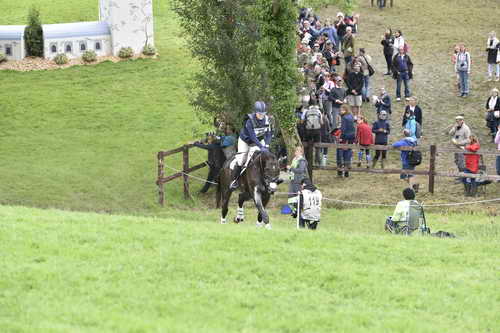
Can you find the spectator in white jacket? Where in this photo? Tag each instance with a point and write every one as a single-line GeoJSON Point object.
{"type": "Point", "coordinates": [399, 41]}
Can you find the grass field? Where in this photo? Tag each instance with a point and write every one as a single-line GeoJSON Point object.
{"type": "Point", "coordinates": [85, 139]}
{"type": "Point", "coordinates": [64, 271]}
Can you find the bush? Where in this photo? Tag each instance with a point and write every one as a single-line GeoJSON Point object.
{"type": "Point", "coordinates": [33, 34]}
{"type": "Point", "coordinates": [61, 59]}
{"type": "Point", "coordinates": [89, 56]}
{"type": "Point", "coordinates": [3, 57]}
{"type": "Point", "coordinates": [126, 52]}
{"type": "Point", "coordinates": [149, 50]}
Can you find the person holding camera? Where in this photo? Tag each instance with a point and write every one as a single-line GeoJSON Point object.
{"type": "Point", "coordinates": [460, 134]}
{"type": "Point", "coordinates": [463, 69]}
{"type": "Point", "coordinates": [471, 165]}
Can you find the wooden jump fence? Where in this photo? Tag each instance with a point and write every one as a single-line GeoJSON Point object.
{"type": "Point", "coordinates": [430, 171]}
{"type": "Point", "coordinates": [425, 169]}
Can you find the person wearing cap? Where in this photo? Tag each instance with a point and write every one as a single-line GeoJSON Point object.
{"type": "Point", "coordinates": [381, 128]}
{"type": "Point", "coordinates": [493, 112]}
{"type": "Point", "coordinates": [407, 141]}
{"type": "Point", "coordinates": [256, 132]}
{"type": "Point", "coordinates": [460, 134]}
{"type": "Point", "coordinates": [331, 55]}
{"type": "Point", "coordinates": [341, 27]}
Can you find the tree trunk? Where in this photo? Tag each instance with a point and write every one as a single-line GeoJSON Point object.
{"type": "Point", "coordinates": [292, 140]}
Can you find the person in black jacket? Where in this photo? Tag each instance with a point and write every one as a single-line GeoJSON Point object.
{"type": "Point", "coordinates": [388, 44]}
{"type": "Point", "coordinates": [402, 72]}
{"type": "Point", "coordinates": [493, 113]}
{"type": "Point", "coordinates": [417, 111]}
{"type": "Point", "coordinates": [216, 159]}
{"type": "Point", "coordinates": [355, 81]}
{"type": "Point", "coordinates": [381, 128]}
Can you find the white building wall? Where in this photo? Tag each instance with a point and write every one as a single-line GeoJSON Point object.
{"type": "Point", "coordinates": [75, 42]}
{"type": "Point", "coordinates": [131, 23]}
{"type": "Point", "coordinates": [16, 46]}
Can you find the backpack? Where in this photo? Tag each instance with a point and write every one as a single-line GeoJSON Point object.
{"type": "Point", "coordinates": [371, 71]}
{"type": "Point", "coordinates": [418, 130]}
{"type": "Point", "coordinates": [313, 119]}
{"type": "Point", "coordinates": [414, 157]}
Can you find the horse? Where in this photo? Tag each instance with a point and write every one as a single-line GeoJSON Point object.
{"type": "Point", "coordinates": [258, 181]}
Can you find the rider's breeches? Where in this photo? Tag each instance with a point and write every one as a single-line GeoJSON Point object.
{"type": "Point", "coordinates": [243, 149]}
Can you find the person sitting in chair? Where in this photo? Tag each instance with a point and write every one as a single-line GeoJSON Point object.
{"type": "Point", "coordinates": [256, 132]}
{"type": "Point", "coordinates": [408, 216]}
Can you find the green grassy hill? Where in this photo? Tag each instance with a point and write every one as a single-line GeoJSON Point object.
{"type": "Point", "coordinates": [85, 138]}
{"type": "Point", "coordinates": [65, 271]}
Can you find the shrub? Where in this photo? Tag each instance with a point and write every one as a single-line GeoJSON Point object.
{"type": "Point", "coordinates": [89, 56]}
{"type": "Point", "coordinates": [3, 57]}
{"type": "Point", "coordinates": [33, 34]}
{"type": "Point", "coordinates": [126, 52]}
{"type": "Point", "coordinates": [149, 50]}
{"type": "Point", "coordinates": [61, 59]}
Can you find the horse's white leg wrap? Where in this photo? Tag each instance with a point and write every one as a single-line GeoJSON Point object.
{"type": "Point", "coordinates": [268, 226]}
{"type": "Point", "coordinates": [222, 220]}
{"type": "Point", "coordinates": [259, 224]}
{"type": "Point", "coordinates": [240, 215]}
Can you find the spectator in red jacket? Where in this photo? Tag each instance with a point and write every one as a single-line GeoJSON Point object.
{"type": "Point", "coordinates": [471, 166]}
{"type": "Point", "coordinates": [364, 138]}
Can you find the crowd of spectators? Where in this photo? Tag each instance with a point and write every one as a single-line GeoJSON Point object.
{"type": "Point", "coordinates": [336, 74]}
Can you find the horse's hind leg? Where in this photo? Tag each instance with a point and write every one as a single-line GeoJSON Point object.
{"type": "Point", "coordinates": [240, 216]}
{"type": "Point", "coordinates": [226, 195]}
{"type": "Point", "coordinates": [265, 200]}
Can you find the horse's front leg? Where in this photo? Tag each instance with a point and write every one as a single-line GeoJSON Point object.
{"type": "Point", "coordinates": [240, 215]}
{"type": "Point", "coordinates": [259, 198]}
{"type": "Point", "coordinates": [226, 195]}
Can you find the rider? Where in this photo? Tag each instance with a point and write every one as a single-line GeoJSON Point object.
{"type": "Point", "coordinates": [256, 132]}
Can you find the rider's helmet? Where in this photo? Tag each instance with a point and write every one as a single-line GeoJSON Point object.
{"type": "Point", "coordinates": [260, 107]}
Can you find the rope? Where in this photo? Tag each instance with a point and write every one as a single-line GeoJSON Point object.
{"type": "Point", "coordinates": [351, 202]}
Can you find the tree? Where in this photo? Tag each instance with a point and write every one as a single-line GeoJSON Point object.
{"type": "Point", "coordinates": [246, 51]}
{"type": "Point", "coordinates": [33, 34]}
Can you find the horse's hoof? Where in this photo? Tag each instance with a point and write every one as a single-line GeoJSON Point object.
{"type": "Point", "coordinates": [259, 224]}
{"type": "Point", "coordinates": [268, 226]}
{"type": "Point", "coordinates": [222, 221]}
{"type": "Point", "coordinates": [238, 220]}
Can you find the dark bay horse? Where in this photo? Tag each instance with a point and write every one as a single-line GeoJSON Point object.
{"type": "Point", "coordinates": [258, 182]}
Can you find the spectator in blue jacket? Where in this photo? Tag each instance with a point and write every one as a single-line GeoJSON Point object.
{"type": "Point", "coordinates": [411, 124]}
{"type": "Point", "coordinates": [347, 136]}
{"type": "Point", "coordinates": [381, 128]}
{"type": "Point", "coordinates": [407, 141]}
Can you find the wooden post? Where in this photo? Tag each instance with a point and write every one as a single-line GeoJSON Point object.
{"type": "Point", "coordinates": [432, 168]}
{"type": "Point", "coordinates": [372, 3]}
{"type": "Point", "coordinates": [392, 3]}
{"type": "Point", "coordinates": [310, 158]}
{"type": "Point", "coordinates": [185, 167]}
{"type": "Point", "coordinates": [161, 175]}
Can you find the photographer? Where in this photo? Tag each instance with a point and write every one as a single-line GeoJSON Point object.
{"type": "Point", "coordinates": [216, 158]}
{"type": "Point", "coordinates": [460, 134]}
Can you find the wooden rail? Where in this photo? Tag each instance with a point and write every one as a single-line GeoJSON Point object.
{"type": "Point", "coordinates": [186, 170]}
{"type": "Point", "coordinates": [430, 171]}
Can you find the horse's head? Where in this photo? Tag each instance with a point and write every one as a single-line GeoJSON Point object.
{"type": "Point", "coordinates": [270, 171]}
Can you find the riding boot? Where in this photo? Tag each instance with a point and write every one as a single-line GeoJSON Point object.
{"type": "Point", "coordinates": [235, 174]}
{"type": "Point", "coordinates": [382, 163]}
